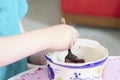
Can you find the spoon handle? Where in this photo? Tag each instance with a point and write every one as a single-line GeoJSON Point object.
{"type": "Point", "coordinates": [69, 51]}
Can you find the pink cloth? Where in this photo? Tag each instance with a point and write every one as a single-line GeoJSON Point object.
{"type": "Point", "coordinates": [112, 69]}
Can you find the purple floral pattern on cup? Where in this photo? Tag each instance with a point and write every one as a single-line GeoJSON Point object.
{"type": "Point", "coordinates": [77, 76]}
{"type": "Point", "coordinates": [51, 73]}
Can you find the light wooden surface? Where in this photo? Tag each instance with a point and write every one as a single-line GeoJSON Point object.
{"type": "Point", "coordinates": [95, 21]}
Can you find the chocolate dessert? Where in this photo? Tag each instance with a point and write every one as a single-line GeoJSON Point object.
{"type": "Point", "coordinates": [71, 58]}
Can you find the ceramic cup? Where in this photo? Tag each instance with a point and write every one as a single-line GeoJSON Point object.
{"type": "Point", "coordinates": [91, 51]}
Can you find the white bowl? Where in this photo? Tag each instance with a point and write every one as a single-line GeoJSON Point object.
{"type": "Point", "coordinates": [91, 51]}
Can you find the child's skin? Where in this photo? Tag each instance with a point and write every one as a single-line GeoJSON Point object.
{"type": "Point", "coordinates": [58, 37]}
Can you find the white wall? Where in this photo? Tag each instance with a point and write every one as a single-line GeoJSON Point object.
{"type": "Point", "coordinates": [42, 13]}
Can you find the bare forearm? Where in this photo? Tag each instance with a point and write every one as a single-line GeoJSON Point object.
{"type": "Point", "coordinates": [20, 46]}
{"type": "Point", "coordinates": [58, 37]}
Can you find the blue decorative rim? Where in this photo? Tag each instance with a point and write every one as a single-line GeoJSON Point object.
{"type": "Point", "coordinates": [89, 65]}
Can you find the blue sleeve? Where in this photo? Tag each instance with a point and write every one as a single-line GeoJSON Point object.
{"type": "Point", "coordinates": [23, 8]}
{"type": "Point", "coordinates": [11, 12]}
{"type": "Point", "coordinates": [8, 12]}
{"type": "Point", "coordinates": [5, 14]}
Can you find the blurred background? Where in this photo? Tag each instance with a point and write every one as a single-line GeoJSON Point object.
{"type": "Point", "coordinates": [45, 13]}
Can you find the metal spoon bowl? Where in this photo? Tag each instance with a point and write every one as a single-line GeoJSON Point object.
{"type": "Point", "coordinates": [71, 58]}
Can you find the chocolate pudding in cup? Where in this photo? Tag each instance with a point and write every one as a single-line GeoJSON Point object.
{"type": "Point", "coordinates": [93, 53]}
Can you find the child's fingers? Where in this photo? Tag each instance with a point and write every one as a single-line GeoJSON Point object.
{"type": "Point", "coordinates": [63, 21]}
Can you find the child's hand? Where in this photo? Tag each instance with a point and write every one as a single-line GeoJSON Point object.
{"type": "Point", "coordinates": [61, 37]}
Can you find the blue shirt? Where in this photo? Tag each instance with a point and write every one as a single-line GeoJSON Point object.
{"type": "Point", "coordinates": [11, 12]}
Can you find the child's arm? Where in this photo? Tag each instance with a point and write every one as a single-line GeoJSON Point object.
{"type": "Point", "coordinates": [59, 37]}
{"type": "Point", "coordinates": [37, 58]}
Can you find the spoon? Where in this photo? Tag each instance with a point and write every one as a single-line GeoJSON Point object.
{"type": "Point", "coordinates": [71, 58]}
